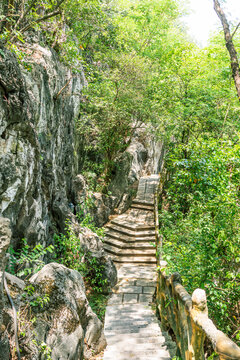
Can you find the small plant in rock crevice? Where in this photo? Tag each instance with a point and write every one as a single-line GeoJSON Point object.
{"type": "Point", "coordinates": [26, 261]}
{"type": "Point", "coordinates": [88, 222]}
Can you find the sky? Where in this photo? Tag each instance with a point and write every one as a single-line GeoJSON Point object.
{"type": "Point", "coordinates": [203, 20]}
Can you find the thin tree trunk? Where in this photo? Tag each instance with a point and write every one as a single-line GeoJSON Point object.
{"type": "Point", "coordinates": [230, 46]}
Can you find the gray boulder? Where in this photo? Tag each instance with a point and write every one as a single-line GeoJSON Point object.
{"type": "Point", "coordinates": [67, 323]}
{"type": "Point", "coordinates": [144, 156]}
{"type": "Point", "coordinates": [92, 246]}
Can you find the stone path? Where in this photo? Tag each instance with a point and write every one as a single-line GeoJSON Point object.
{"type": "Point", "coordinates": [130, 236]}
{"type": "Point", "coordinates": [131, 327]}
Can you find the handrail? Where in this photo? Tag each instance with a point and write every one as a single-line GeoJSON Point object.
{"type": "Point", "coordinates": [158, 238]}
{"type": "Point", "coordinates": [186, 315]}
{"type": "Point", "coordinates": [188, 318]}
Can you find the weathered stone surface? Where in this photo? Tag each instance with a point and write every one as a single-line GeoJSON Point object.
{"type": "Point", "coordinates": [149, 290]}
{"type": "Point", "coordinates": [131, 327]}
{"type": "Point", "coordinates": [38, 160]}
{"type": "Point", "coordinates": [144, 156]}
{"type": "Point", "coordinates": [93, 247]}
{"type": "Point", "coordinates": [15, 281]}
{"type": "Point", "coordinates": [130, 298]}
{"type": "Point", "coordinates": [67, 323]}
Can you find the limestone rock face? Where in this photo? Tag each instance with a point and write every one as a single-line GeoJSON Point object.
{"type": "Point", "coordinates": [144, 156]}
{"type": "Point", "coordinates": [93, 247]}
{"type": "Point", "coordinates": [67, 323]}
{"type": "Point", "coordinates": [37, 142]}
{"type": "Point", "coordinates": [102, 208]}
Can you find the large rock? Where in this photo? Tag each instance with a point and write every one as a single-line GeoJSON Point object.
{"type": "Point", "coordinates": [38, 157]}
{"type": "Point", "coordinates": [67, 323]}
{"type": "Point", "coordinates": [92, 246]}
{"type": "Point", "coordinates": [101, 205]}
{"type": "Point", "coordinates": [144, 156]}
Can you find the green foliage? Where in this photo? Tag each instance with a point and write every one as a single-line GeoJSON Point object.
{"type": "Point", "coordinates": [98, 303]}
{"type": "Point", "coordinates": [142, 69]}
{"type": "Point", "coordinates": [71, 254]}
{"type": "Point", "coordinates": [85, 218]}
{"type": "Point", "coordinates": [35, 300]}
{"type": "Point", "coordinates": [200, 224]}
{"type": "Point", "coordinates": [117, 100]}
{"type": "Point", "coordinates": [87, 221]}
{"type": "Point", "coordinates": [69, 250]}
{"type": "Point", "coordinates": [26, 261]}
{"type": "Point", "coordinates": [45, 351]}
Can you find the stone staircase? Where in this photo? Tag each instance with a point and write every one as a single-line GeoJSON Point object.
{"type": "Point", "coordinates": [131, 328]}
{"type": "Point", "coordinates": [130, 237]}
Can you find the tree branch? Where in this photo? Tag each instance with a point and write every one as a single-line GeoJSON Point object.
{"type": "Point", "coordinates": [229, 45]}
{"type": "Point", "coordinates": [24, 14]}
{"type": "Point", "coordinates": [62, 89]}
{"type": "Point", "coordinates": [48, 16]}
{"type": "Point", "coordinates": [235, 29]}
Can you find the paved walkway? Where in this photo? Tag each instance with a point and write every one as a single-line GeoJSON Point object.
{"type": "Point", "coordinates": [131, 327]}
{"type": "Point", "coordinates": [130, 236]}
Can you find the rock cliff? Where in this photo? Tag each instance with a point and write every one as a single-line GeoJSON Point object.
{"type": "Point", "coordinates": [38, 157]}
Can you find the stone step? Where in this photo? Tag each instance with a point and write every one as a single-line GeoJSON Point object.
{"type": "Point", "coordinates": [144, 203]}
{"type": "Point", "coordinates": [142, 207]}
{"type": "Point", "coordinates": [122, 357]}
{"type": "Point", "coordinates": [129, 252]}
{"type": "Point", "coordinates": [129, 346]}
{"type": "Point", "coordinates": [126, 310]}
{"type": "Point", "coordinates": [125, 231]}
{"type": "Point", "coordinates": [134, 259]}
{"type": "Point", "coordinates": [135, 339]}
{"type": "Point", "coordinates": [128, 239]}
{"type": "Point", "coordinates": [137, 272]}
{"type": "Point", "coordinates": [132, 226]}
{"type": "Point", "coordinates": [124, 325]}
{"type": "Point", "coordinates": [118, 243]}
{"type": "Point", "coordinates": [135, 354]}
{"type": "Point", "coordinates": [141, 332]}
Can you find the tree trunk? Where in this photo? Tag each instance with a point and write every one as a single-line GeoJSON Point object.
{"type": "Point", "coordinates": [230, 46]}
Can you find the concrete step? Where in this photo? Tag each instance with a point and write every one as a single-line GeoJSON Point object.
{"type": "Point", "coordinates": [130, 345]}
{"type": "Point", "coordinates": [135, 339]}
{"type": "Point", "coordinates": [125, 231]}
{"type": "Point", "coordinates": [128, 310]}
{"type": "Point", "coordinates": [118, 243]}
{"type": "Point", "coordinates": [138, 251]}
{"type": "Point", "coordinates": [144, 203]}
{"type": "Point", "coordinates": [142, 207]}
{"type": "Point", "coordinates": [127, 238]}
{"type": "Point", "coordinates": [134, 259]}
{"type": "Point", "coordinates": [132, 226]}
{"type": "Point", "coordinates": [135, 354]}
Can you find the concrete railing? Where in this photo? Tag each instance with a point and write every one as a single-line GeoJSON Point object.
{"type": "Point", "coordinates": [187, 316]}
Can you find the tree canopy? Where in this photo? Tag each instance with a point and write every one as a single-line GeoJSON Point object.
{"type": "Point", "coordinates": [142, 68]}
